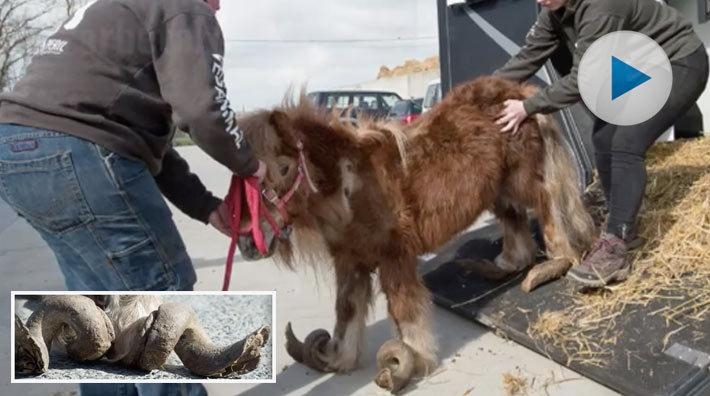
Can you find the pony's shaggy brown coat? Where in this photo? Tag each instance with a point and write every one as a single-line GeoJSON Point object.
{"type": "Point", "coordinates": [388, 193]}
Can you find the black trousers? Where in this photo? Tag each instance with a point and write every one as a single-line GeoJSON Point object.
{"type": "Point", "coordinates": [620, 151]}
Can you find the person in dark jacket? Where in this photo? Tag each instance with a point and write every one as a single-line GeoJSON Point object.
{"type": "Point", "coordinates": [619, 150]}
{"type": "Point", "coordinates": [85, 140]}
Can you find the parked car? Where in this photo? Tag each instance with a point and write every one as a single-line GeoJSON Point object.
{"type": "Point", "coordinates": [432, 95]}
{"type": "Point", "coordinates": [406, 111]}
{"type": "Point", "coordinates": [376, 104]}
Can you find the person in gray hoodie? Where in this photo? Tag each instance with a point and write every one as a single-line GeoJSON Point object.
{"type": "Point", "coordinates": [86, 155]}
{"type": "Point", "coordinates": [85, 140]}
{"type": "Point", "coordinates": [619, 150]}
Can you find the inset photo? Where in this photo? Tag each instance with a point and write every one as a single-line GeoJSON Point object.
{"type": "Point", "coordinates": [143, 337]}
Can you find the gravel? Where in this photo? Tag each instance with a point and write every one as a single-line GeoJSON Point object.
{"type": "Point", "coordinates": [225, 318]}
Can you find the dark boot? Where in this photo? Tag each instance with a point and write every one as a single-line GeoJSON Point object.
{"type": "Point", "coordinates": [605, 263]}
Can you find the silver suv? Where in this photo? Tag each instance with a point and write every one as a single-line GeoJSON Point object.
{"type": "Point", "coordinates": [432, 95]}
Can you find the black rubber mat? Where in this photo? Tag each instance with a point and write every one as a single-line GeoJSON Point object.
{"type": "Point", "coordinates": [637, 364]}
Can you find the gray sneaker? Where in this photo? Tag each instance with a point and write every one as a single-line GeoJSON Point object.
{"type": "Point", "coordinates": [605, 263]}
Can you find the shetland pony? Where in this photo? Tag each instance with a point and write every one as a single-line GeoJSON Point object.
{"type": "Point", "coordinates": [379, 194]}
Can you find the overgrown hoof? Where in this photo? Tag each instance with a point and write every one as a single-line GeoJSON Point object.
{"type": "Point", "coordinates": [72, 320]}
{"type": "Point", "coordinates": [545, 272]}
{"type": "Point", "coordinates": [395, 359]}
{"type": "Point", "coordinates": [250, 358]}
{"type": "Point", "coordinates": [30, 357]}
{"type": "Point", "coordinates": [309, 351]}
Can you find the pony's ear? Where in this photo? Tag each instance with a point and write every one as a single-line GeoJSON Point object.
{"type": "Point", "coordinates": [284, 127]}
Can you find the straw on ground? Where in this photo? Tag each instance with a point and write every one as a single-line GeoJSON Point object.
{"type": "Point", "coordinates": [671, 269]}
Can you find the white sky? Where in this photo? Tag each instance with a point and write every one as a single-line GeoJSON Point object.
{"type": "Point", "coordinates": [258, 73]}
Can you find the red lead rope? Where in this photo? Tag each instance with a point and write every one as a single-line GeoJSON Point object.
{"type": "Point", "coordinates": [256, 210]}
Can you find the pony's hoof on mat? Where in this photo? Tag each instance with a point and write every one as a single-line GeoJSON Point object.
{"type": "Point", "coordinates": [486, 269]}
{"type": "Point", "coordinates": [395, 359]}
{"type": "Point", "coordinates": [311, 350]}
{"type": "Point", "coordinates": [544, 272]}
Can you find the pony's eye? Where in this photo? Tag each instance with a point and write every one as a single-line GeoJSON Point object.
{"type": "Point", "coordinates": [284, 170]}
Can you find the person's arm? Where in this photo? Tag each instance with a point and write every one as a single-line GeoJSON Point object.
{"type": "Point", "coordinates": [565, 91]}
{"type": "Point", "coordinates": [540, 43]}
{"type": "Point", "coordinates": [188, 52]}
{"type": "Point", "coordinates": [184, 189]}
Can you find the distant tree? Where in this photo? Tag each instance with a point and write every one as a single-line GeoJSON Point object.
{"type": "Point", "coordinates": [24, 25]}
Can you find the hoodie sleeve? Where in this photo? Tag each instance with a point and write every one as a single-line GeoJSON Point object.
{"type": "Point", "coordinates": [184, 189]}
{"type": "Point", "coordinates": [565, 91]}
{"type": "Point", "coordinates": [188, 56]}
{"type": "Point", "coordinates": [540, 43]}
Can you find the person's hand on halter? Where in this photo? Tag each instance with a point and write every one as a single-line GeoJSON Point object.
{"type": "Point", "coordinates": [512, 115]}
{"type": "Point", "coordinates": [219, 218]}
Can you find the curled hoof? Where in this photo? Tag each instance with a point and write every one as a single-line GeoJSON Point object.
{"type": "Point", "coordinates": [395, 359]}
{"type": "Point", "coordinates": [309, 351]}
{"type": "Point", "coordinates": [30, 357]}
{"type": "Point", "coordinates": [261, 336]}
{"type": "Point", "coordinates": [251, 356]}
{"type": "Point", "coordinates": [175, 327]}
{"type": "Point", "coordinates": [72, 320]}
{"type": "Point", "coordinates": [545, 272]}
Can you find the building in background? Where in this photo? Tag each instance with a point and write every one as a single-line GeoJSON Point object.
{"type": "Point", "coordinates": [408, 80]}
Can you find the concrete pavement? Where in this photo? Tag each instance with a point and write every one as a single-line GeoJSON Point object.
{"type": "Point", "coordinates": [473, 358]}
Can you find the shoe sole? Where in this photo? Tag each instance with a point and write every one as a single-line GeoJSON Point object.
{"type": "Point", "coordinates": [619, 275]}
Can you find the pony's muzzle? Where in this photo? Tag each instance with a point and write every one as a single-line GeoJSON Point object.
{"type": "Point", "coordinates": [247, 245]}
{"type": "Point", "coordinates": [249, 250]}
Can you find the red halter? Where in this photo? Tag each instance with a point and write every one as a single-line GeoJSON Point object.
{"type": "Point", "coordinates": [257, 210]}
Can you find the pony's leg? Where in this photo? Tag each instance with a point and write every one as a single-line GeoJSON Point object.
{"type": "Point", "coordinates": [519, 248]}
{"type": "Point", "coordinates": [354, 296]}
{"type": "Point", "coordinates": [409, 306]}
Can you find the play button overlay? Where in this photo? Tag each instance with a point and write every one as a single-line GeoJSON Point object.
{"type": "Point", "coordinates": [624, 78]}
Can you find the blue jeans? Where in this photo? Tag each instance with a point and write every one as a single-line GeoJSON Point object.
{"type": "Point", "coordinates": [190, 389]}
{"type": "Point", "coordinates": [102, 215]}
{"type": "Point", "coordinates": [104, 218]}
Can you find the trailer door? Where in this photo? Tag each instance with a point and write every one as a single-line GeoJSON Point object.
{"type": "Point", "coordinates": [478, 36]}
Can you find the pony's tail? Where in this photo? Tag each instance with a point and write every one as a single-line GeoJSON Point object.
{"type": "Point", "coordinates": [574, 227]}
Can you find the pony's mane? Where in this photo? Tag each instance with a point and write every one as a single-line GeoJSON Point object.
{"type": "Point", "coordinates": [369, 133]}
{"type": "Point", "coordinates": [377, 133]}
{"type": "Point", "coordinates": [301, 107]}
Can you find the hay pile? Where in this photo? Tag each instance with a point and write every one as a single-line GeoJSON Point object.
{"type": "Point", "coordinates": [410, 66]}
{"type": "Point", "coordinates": [671, 271]}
